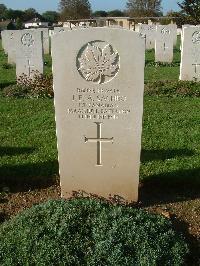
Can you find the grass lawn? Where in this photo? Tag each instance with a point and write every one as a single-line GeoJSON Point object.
{"type": "Point", "coordinates": [170, 143]}
{"type": "Point", "coordinates": [7, 76]}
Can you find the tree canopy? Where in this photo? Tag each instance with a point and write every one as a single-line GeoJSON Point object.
{"type": "Point", "coordinates": [192, 9]}
{"type": "Point", "coordinates": [51, 16]}
{"type": "Point", "coordinates": [75, 9]}
{"type": "Point", "coordinates": [140, 8]}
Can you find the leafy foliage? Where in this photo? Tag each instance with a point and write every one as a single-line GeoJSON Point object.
{"type": "Point", "coordinates": [173, 88]}
{"type": "Point", "coordinates": [51, 16]}
{"type": "Point", "coordinates": [39, 86]}
{"type": "Point", "coordinates": [140, 8]}
{"type": "Point", "coordinates": [192, 9]}
{"type": "Point", "coordinates": [89, 232]}
{"type": "Point", "coordinates": [75, 9]}
{"type": "Point", "coordinates": [7, 66]}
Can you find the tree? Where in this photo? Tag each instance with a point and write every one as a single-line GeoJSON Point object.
{"type": "Point", "coordinates": [3, 9]}
{"type": "Point", "coordinates": [140, 8]}
{"type": "Point", "coordinates": [13, 14]}
{"type": "Point", "coordinates": [19, 24]}
{"type": "Point", "coordinates": [100, 13]}
{"type": "Point", "coordinates": [75, 9]}
{"type": "Point", "coordinates": [51, 16]}
{"type": "Point", "coordinates": [115, 13]}
{"type": "Point", "coordinates": [192, 9]}
{"type": "Point", "coordinates": [31, 13]}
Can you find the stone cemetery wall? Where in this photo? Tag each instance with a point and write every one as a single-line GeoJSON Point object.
{"type": "Point", "coordinates": [29, 52]}
{"type": "Point", "coordinates": [190, 54]}
{"type": "Point", "coordinates": [98, 86]}
{"type": "Point", "coordinates": [164, 44]}
{"type": "Point", "coordinates": [149, 31]}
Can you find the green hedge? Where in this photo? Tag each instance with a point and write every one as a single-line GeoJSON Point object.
{"type": "Point", "coordinates": [173, 88]}
{"type": "Point", "coordinates": [42, 87]}
{"type": "Point", "coordinates": [89, 232]}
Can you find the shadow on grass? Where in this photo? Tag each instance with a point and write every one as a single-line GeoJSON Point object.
{"type": "Point", "coordinates": [6, 84]}
{"type": "Point", "coordinates": [24, 177]}
{"type": "Point", "coordinates": [12, 151]}
{"type": "Point", "coordinates": [170, 187]}
{"type": "Point", "coordinates": [182, 227]}
{"type": "Point", "coordinates": [154, 155]}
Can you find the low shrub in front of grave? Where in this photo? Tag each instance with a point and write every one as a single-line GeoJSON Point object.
{"type": "Point", "coordinates": [89, 232]}
{"type": "Point", "coordinates": [149, 63]}
{"type": "Point", "coordinates": [173, 88]}
{"type": "Point", "coordinates": [7, 66]}
{"type": "Point", "coordinates": [39, 86]}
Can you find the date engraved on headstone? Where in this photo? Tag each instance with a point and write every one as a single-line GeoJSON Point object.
{"type": "Point", "coordinates": [98, 62]}
{"type": "Point", "coordinates": [165, 31]}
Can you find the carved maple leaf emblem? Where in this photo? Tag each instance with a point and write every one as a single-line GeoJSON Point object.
{"type": "Point", "coordinates": [96, 64]}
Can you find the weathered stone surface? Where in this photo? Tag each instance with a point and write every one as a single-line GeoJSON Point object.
{"type": "Point", "coordinates": [149, 31]}
{"type": "Point", "coordinates": [98, 85]}
{"type": "Point", "coordinates": [164, 44]}
{"type": "Point", "coordinates": [46, 41]}
{"type": "Point", "coordinates": [8, 43]}
{"type": "Point", "coordinates": [29, 52]}
{"type": "Point", "coordinates": [190, 54]}
{"type": "Point", "coordinates": [60, 29]}
{"type": "Point", "coordinates": [174, 31]}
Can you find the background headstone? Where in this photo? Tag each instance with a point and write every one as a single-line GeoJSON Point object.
{"type": "Point", "coordinates": [12, 46]}
{"type": "Point", "coordinates": [98, 86]}
{"type": "Point", "coordinates": [60, 29]}
{"type": "Point", "coordinates": [164, 44]}
{"type": "Point", "coordinates": [174, 31]}
{"type": "Point", "coordinates": [46, 40]}
{"type": "Point", "coordinates": [29, 52]}
{"type": "Point", "coordinates": [149, 31]}
{"type": "Point", "coordinates": [190, 54]}
{"type": "Point", "coordinates": [8, 44]}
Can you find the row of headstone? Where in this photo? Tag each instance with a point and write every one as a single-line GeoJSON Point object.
{"type": "Point", "coordinates": [160, 37]}
{"type": "Point", "coordinates": [25, 48]}
{"type": "Point", "coordinates": [98, 89]}
{"type": "Point", "coordinates": [18, 44]}
{"type": "Point", "coordinates": [190, 53]}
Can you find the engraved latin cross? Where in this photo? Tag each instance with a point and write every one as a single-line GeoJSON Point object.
{"type": "Point", "coordinates": [30, 67]}
{"type": "Point", "coordinates": [196, 68]}
{"type": "Point", "coordinates": [99, 140]}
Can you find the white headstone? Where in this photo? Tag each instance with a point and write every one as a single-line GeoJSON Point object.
{"type": "Point", "coordinates": [8, 42]}
{"type": "Point", "coordinates": [60, 29]}
{"type": "Point", "coordinates": [164, 44]}
{"type": "Point", "coordinates": [149, 31]}
{"type": "Point", "coordinates": [98, 86]}
{"type": "Point", "coordinates": [29, 52]}
{"type": "Point", "coordinates": [12, 47]}
{"type": "Point", "coordinates": [46, 42]}
{"type": "Point", "coordinates": [190, 54]}
{"type": "Point", "coordinates": [174, 30]}
{"type": "Point", "coordinates": [3, 39]}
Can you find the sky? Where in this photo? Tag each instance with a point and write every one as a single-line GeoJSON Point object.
{"type": "Point", "coordinates": [44, 5]}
